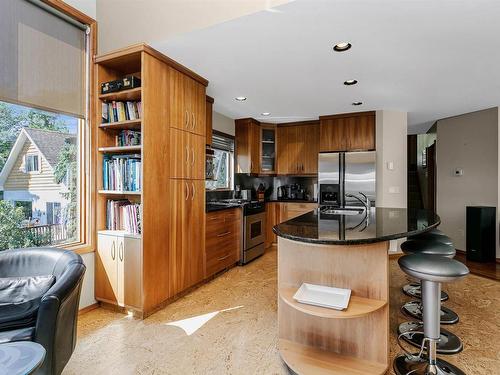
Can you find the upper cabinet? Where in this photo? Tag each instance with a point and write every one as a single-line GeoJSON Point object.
{"type": "Point", "coordinates": [347, 132]}
{"type": "Point", "coordinates": [298, 147]}
{"type": "Point", "coordinates": [247, 136]}
{"type": "Point", "coordinates": [268, 149]}
{"type": "Point", "coordinates": [187, 103]}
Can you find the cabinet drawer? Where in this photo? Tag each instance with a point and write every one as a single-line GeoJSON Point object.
{"type": "Point", "coordinates": [301, 206]}
{"type": "Point", "coordinates": [221, 221]}
{"type": "Point", "coordinates": [221, 260]}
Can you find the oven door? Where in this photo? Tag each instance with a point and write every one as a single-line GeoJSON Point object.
{"type": "Point", "coordinates": [255, 230]}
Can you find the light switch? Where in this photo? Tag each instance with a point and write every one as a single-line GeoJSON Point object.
{"type": "Point", "coordinates": [390, 165]}
{"type": "Point", "coordinates": [458, 172]}
{"type": "Point", "coordinates": [394, 189]}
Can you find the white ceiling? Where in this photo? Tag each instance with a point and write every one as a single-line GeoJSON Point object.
{"type": "Point", "coordinates": [433, 59]}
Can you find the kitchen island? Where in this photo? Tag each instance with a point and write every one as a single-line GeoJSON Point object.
{"type": "Point", "coordinates": [346, 249]}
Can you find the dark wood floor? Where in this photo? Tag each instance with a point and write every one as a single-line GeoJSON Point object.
{"type": "Point", "coordinates": [489, 270]}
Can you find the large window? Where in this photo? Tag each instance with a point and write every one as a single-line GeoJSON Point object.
{"type": "Point", "coordinates": [223, 162]}
{"type": "Point", "coordinates": [44, 132]}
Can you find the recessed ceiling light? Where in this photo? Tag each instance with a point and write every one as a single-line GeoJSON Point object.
{"type": "Point", "coordinates": [350, 82]}
{"type": "Point", "coordinates": [240, 98]}
{"type": "Point", "coordinates": [357, 103]}
{"type": "Point", "coordinates": [342, 46]}
{"type": "Point", "coordinates": [265, 113]}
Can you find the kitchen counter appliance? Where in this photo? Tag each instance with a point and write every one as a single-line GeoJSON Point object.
{"type": "Point", "coordinates": [347, 179]}
{"type": "Point", "coordinates": [254, 231]}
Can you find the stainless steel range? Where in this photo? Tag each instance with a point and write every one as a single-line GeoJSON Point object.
{"type": "Point", "coordinates": [254, 231]}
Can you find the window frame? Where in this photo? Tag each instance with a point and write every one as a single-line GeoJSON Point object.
{"type": "Point", "coordinates": [231, 160]}
{"type": "Point", "coordinates": [38, 163]}
{"type": "Point", "coordinates": [86, 138]}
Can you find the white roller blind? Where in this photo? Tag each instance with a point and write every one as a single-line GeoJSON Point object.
{"type": "Point", "coordinates": [42, 59]}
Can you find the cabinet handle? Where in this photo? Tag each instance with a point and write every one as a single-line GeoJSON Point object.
{"type": "Point", "coordinates": [113, 251]}
{"type": "Point", "coordinates": [120, 251]}
{"type": "Point", "coordinates": [225, 257]}
{"type": "Point", "coordinates": [192, 197]}
{"type": "Point", "coordinates": [193, 125]}
{"type": "Point", "coordinates": [223, 234]}
{"type": "Point", "coordinates": [187, 190]}
{"type": "Point", "coordinates": [187, 155]}
{"type": "Point", "coordinates": [251, 165]}
{"type": "Point", "coordinates": [192, 155]}
{"type": "Point", "coordinates": [186, 123]}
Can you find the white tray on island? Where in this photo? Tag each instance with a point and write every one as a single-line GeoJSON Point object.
{"type": "Point", "coordinates": [323, 296]}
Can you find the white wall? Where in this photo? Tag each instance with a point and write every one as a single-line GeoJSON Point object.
{"type": "Point", "coordinates": [222, 123]}
{"type": "Point", "coordinates": [87, 296]}
{"type": "Point", "coordinates": [469, 142]}
{"type": "Point", "coordinates": [125, 22]}
{"type": "Point", "coordinates": [85, 6]}
{"type": "Point", "coordinates": [391, 145]}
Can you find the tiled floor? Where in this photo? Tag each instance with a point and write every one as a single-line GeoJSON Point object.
{"type": "Point", "coordinates": [234, 329]}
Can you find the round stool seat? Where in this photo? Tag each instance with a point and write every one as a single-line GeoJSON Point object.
{"type": "Point", "coordinates": [428, 247]}
{"type": "Point", "coordinates": [433, 235]}
{"type": "Point", "coordinates": [432, 268]}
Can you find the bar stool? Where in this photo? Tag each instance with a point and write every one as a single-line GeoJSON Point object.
{"type": "Point", "coordinates": [432, 271]}
{"type": "Point", "coordinates": [425, 247]}
{"type": "Point", "coordinates": [433, 235]}
{"type": "Point", "coordinates": [449, 343]}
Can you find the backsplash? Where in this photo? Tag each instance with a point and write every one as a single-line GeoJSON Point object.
{"type": "Point", "coordinates": [270, 183]}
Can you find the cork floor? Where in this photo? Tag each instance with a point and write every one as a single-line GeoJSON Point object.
{"type": "Point", "coordinates": [229, 326]}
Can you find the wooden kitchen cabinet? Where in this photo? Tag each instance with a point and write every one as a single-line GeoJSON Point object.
{"type": "Point", "coordinates": [272, 217]}
{"type": "Point", "coordinates": [222, 240]}
{"type": "Point", "coordinates": [119, 269]}
{"type": "Point", "coordinates": [247, 137]}
{"type": "Point", "coordinates": [187, 103]}
{"type": "Point", "coordinates": [298, 147]}
{"type": "Point", "coordinates": [187, 155]}
{"type": "Point", "coordinates": [289, 210]}
{"type": "Point", "coordinates": [347, 132]}
{"type": "Point", "coordinates": [208, 119]}
{"type": "Point", "coordinates": [187, 232]}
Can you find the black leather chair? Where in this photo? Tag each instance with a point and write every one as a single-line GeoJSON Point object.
{"type": "Point", "coordinates": [55, 313]}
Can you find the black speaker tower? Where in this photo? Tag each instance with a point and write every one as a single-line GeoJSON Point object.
{"type": "Point", "coordinates": [481, 236]}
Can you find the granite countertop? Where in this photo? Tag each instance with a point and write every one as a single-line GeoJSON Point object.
{"type": "Point", "coordinates": [210, 207]}
{"type": "Point", "coordinates": [292, 200]}
{"type": "Point", "coordinates": [382, 224]}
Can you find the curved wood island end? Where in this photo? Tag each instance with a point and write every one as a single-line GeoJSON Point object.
{"type": "Point", "coordinates": [317, 340]}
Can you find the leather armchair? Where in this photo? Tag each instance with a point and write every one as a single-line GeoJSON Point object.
{"type": "Point", "coordinates": [56, 319]}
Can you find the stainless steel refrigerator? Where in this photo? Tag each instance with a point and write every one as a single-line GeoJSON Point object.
{"type": "Point", "coordinates": [346, 177]}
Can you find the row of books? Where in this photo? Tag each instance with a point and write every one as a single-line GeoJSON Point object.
{"type": "Point", "coordinates": [122, 172]}
{"type": "Point", "coordinates": [123, 215]}
{"type": "Point", "coordinates": [120, 111]}
{"type": "Point", "coordinates": [128, 138]}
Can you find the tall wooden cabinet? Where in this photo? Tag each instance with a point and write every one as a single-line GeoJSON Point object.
{"type": "Point", "coordinates": [156, 264]}
{"type": "Point", "coordinates": [347, 132]}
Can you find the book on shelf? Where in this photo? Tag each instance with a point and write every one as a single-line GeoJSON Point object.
{"type": "Point", "coordinates": [128, 138]}
{"type": "Point", "coordinates": [115, 111]}
{"type": "Point", "coordinates": [123, 215]}
{"type": "Point", "coordinates": [122, 172]}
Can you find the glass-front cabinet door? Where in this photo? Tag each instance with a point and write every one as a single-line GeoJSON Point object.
{"type": "Point", "coordinates": [268, 149]}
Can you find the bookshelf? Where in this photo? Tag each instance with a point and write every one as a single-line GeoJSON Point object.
{"type": "Point", "coordinates": [122, 125]}
{"type": "Point", "coordinates": [142, 272]}
{"type": "Point", "coordinates": [119, 149]}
